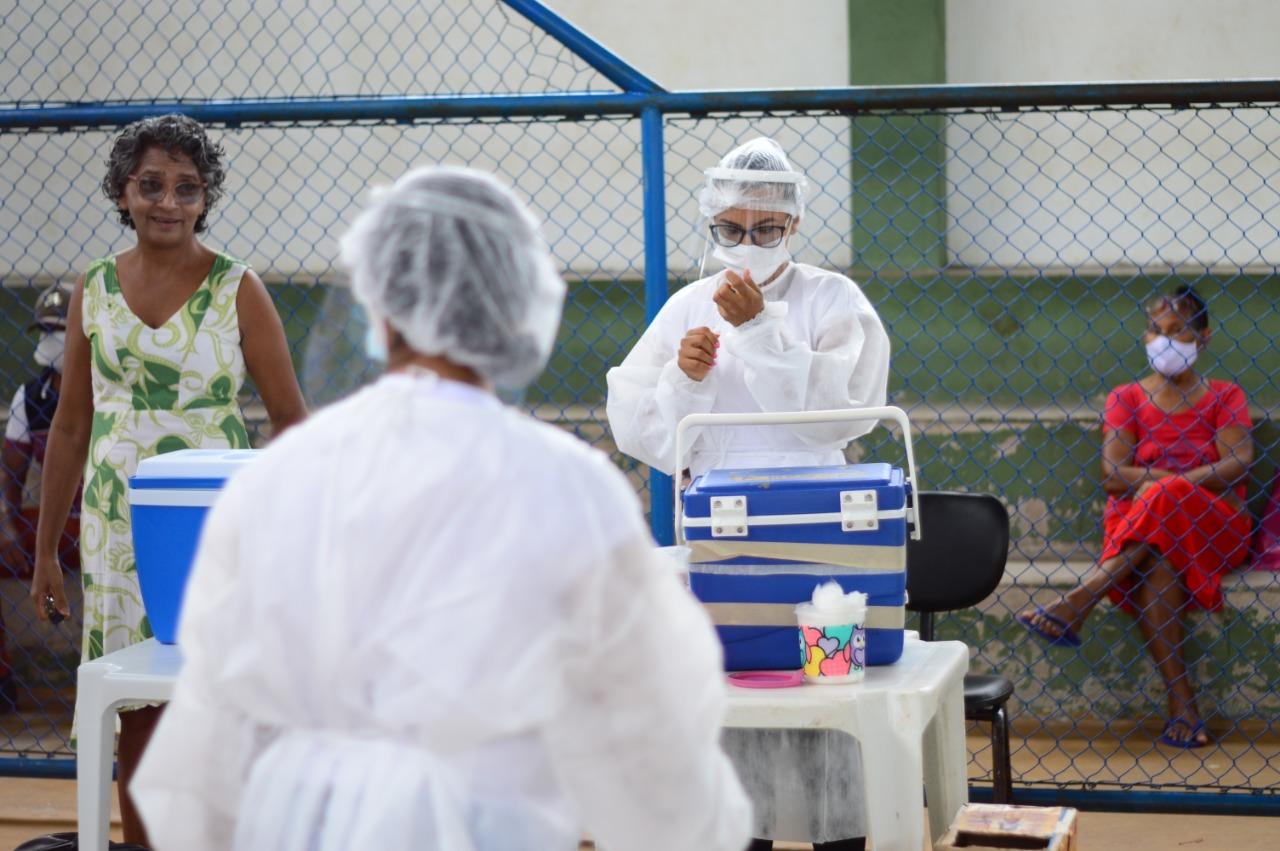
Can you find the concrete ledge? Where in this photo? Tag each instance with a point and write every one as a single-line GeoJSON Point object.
{"type": "Point", "coordinates": [1056, 573]}
{"type": "Point", "coordinates": [1110, 680]}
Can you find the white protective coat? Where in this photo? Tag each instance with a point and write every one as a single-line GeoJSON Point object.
{"type": "Point", "coordinates": [817, 345]}
{"type": "Point", "coordinates": [421, 620]}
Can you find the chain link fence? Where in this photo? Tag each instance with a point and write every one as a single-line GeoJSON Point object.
{"type": "Point", "coordinates": [1010, 253]}
{"type": "Point", "coordinates": [1011, 256]}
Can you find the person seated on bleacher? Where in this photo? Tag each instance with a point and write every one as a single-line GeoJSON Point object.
{"type": "Point", "coordinates": [1176, 453]}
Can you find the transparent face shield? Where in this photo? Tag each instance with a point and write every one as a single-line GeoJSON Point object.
{"type": "Point", "coordinates": [336, 361]}
{"type": "Point", "coordinates": [346, 351]}
{"type": "Point", "coordinates": [747, 219]}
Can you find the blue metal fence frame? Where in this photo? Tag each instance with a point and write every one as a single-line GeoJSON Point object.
{"type": "Point", "coordinates": [850, 100]}
{"type": "Point", "coordinates": [643, 98]}
{"type": "Point", "coordinates": [650, 103]}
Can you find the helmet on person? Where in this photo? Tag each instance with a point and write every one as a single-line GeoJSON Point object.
{"type": "Point", "coordinates": [50, 312]}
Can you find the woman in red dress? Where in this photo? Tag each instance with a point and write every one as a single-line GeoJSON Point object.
{"type": "Point", "coordinates": [1176, 451]}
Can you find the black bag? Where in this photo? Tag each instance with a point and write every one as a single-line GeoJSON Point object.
{"type": "Point", "coordinates": [69, 842]}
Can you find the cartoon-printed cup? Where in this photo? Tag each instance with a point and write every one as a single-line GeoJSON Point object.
{"type": "Point", "coordinates": [832, 637]}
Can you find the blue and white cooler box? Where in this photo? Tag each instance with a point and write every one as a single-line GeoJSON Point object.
{"type": "Point", "coordinates": [169, 497]}
{"type": "Point", "coordinates": [762, 540]}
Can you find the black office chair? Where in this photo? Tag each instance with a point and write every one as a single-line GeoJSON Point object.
{"type": "Point", "coordinates": [957, 564]}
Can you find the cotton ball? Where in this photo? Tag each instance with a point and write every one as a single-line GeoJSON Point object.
{"type": "Point", "coordinates": [828, 595]}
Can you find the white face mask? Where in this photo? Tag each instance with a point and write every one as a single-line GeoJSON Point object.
{"type": "Point", "coordinates": [50, 348]}
{"type": "Point", "coordinates": [375, 342]}
{"type": "Point", "coordinates": [375, 338]}
{"type": "Point", "coordinates": [760, 262]}
{"type": "Point", "coordinates": [1171, 357]}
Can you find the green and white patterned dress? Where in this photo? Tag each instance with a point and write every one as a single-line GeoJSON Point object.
{"type": "Point", "coordinates": [154, 391]}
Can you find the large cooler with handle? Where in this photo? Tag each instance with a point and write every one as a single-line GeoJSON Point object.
{"type": "Point", "coordinates": [761, 540]}
{"type": "Point", "coordinates": [169, 496]}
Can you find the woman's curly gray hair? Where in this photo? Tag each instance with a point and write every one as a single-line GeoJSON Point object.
{"type": "Point", "coordinates": [173, 133]}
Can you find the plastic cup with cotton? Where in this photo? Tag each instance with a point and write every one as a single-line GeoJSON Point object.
{"type": "Point", "coordinates": [833, 637]}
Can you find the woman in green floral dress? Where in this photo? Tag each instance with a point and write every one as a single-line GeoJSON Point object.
{"type": "Point", "coordinates": [159, 338]}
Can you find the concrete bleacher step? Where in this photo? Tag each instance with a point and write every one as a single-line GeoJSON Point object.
{"type": "Point", "coordinates": [1057, 573]}
{"type": "Point", "coordinates": [1232, 653]}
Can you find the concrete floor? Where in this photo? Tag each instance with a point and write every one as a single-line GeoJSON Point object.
{"type": "Point", "coordinates": [30, 808]}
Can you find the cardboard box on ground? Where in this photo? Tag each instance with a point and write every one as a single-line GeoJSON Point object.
{"type": "Point", "coordinates": [999, 827]}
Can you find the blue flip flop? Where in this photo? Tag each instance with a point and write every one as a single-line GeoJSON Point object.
{"type": "Point", "coordinates": [1191, 742]}
{"type": "Point", "coordinates": [1066, 639]}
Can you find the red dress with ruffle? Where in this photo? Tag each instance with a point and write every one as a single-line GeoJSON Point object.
{"type": "Point", "coordinates": [1200, 534]}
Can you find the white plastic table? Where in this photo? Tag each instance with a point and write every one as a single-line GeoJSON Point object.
{"type": "Point", "coordinates": [908, 719]}
{"type": "Point", "coordinates": [142, 673]}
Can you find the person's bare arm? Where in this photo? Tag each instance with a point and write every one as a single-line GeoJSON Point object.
{"type": "Point", "coordinates": [266, 354]}
{"type": "Point", "coordinates": [64, 459]}
{"type": "Point", "coordinates": [1119, 474]}
{"type": "Point", "coordinates": [1235, 453]}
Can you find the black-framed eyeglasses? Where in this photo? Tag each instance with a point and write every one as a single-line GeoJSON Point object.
{"type": "Point", "coordinates": [765, 236]}
{"type": "Point", "coordinates": [153, 189]}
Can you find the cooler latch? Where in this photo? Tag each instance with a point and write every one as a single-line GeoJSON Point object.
{"type": "Point", "coordinates": [729, 517]}
{"type": "Point", "coordinates": [859, 511]}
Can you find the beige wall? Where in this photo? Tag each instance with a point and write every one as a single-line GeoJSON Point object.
{"type": "Point", "coordinates": [738, 44]}
{"type": "Point", "coordinates": [291, 192]}
{"type": "Point", "coordinates": [722, 44]}
{"type": "Point", "coordinates": [1150, 189]}
{"type": "Point", "coordinates": [1025, 41]}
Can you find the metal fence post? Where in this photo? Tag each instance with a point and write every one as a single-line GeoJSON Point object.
{"type": "Point", "coordinates": [661, 502]}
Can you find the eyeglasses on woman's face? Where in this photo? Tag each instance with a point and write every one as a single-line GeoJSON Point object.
{"type": "Point", "coordinates": [153, 189]}
{"type": "Point", "coordinates": [767, 235]}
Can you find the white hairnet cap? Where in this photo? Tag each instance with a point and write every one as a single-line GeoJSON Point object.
{"type": "Point", "coordinates": [454, 262]}
{"type": "Point", "coordinates": [754, 176]}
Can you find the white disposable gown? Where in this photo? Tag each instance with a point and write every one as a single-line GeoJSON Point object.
{"type": "Point", "coordinates": [818, 345]}
{"type": "Point", "coordinates": [424, 621]}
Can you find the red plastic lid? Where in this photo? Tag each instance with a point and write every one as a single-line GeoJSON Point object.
{"type": "Point", "coordinates": [767, 679]}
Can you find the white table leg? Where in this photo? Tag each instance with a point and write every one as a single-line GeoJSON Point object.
{"type": "Point", "coordinates": [95, 753]}
{"type": "Point", "coordinates": [946, 759]}
{"type": "Point", "coordinates": [892, 766]}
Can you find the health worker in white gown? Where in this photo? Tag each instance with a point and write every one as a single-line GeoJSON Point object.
{"type": "Point", "coordinates": [764, 334]}
{"type": "Point", "coordinates": [423, 620]}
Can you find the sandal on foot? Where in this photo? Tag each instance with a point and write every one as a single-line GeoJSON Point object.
{"type": "Point", "coordinates": [1192, 740]}
{"type": "Point", "coordinates": [1067, 638]}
